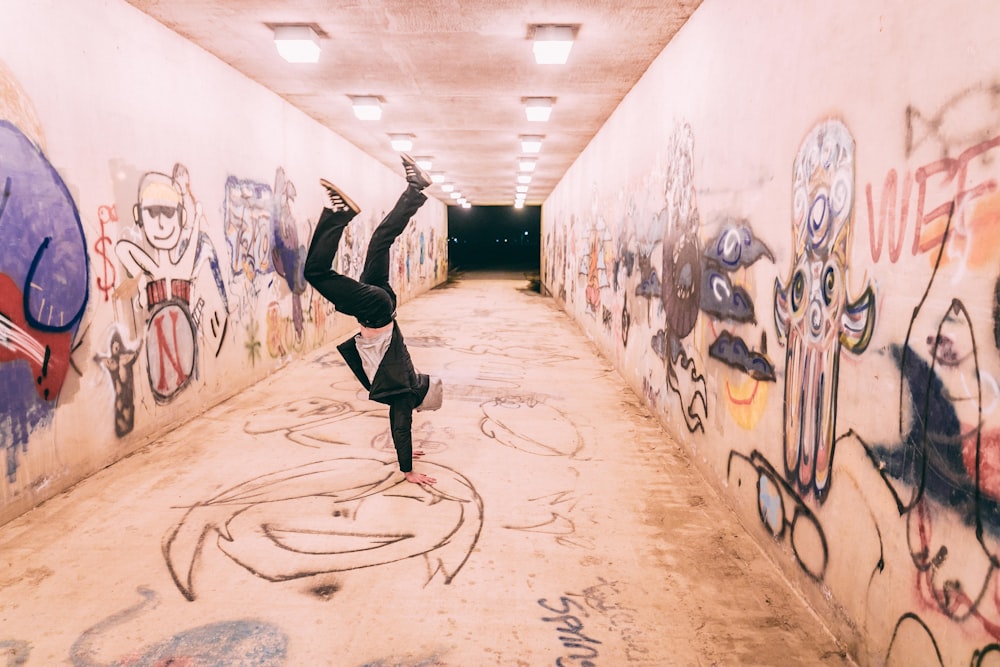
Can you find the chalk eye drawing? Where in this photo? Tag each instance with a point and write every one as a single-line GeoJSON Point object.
{"type": "Point", "coordinates": [327, 516]}
{"type": "Point", "coordinates": [530, 426]}
{"type": "Point", "coordinates": [244, 642]}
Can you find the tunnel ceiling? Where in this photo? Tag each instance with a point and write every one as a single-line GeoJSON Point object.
{"type": "Point", "coordinates": [452, 73]}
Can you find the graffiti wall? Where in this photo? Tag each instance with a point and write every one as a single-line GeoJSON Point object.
{"type": "Point", "coordinates": [787, 238]}
{"type": "Point", "coordinates": [152, 265]}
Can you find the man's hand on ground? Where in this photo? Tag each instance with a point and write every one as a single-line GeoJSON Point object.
{"type": "Point", "coordinates": [418, 478]}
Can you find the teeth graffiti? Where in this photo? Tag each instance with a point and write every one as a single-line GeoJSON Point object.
{"type": "Point", "coordinates": [811, 310]}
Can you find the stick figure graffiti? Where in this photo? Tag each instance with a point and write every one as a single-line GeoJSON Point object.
{"type": "Point", "coordinates": [167, 265]}
{"type": "Point", "coordinates": [812, 311]}
{"type": "Point", "coordinates": [165, 271]}
{"type": "Point", "coordinates": [331, 516]}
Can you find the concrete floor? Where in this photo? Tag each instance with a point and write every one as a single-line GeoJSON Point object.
{"type": "Point", "coordinates": [566, 527]}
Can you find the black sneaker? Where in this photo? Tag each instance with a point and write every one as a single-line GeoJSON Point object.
{"type": "Point", "coordinates": [415, 176]}
{"type": "Point", "coordinates": [338, 200]}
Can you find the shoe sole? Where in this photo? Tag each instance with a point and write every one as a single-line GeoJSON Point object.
{"type": "Point", "coordinates": [424, 179]}
{"type": "Point", "coordinates": [347, 200]}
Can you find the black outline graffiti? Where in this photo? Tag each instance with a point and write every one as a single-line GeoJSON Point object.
{"type": "Point", "coordinates": [325, 480]}
{"type": "Point", "coordinates": [801, 511]}
{"type": "Point", "coordinates": [559, 524]}
{"type": "Point", "coordinates": [508, 434]}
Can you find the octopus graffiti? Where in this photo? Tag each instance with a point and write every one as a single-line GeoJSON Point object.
{"type": "Point", "coordinates": [813, 314]}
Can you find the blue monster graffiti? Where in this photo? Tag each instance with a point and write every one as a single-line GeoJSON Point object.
{"type": "Point", "coordinates": [44, 282]}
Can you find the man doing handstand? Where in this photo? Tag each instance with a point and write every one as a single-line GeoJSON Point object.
{"type": "Point", "coordinates": [377, 354]}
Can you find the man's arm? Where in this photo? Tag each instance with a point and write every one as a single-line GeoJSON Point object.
{"type": "Point", "coordinates": [401, 424]}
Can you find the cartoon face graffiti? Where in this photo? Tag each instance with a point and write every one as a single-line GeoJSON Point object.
{"type": "Point", "coordinates": [811, 310]}
{"type": "Point", "coordinates": [160, 211]}
{"type": "Point", "coordinates": [330, 516]}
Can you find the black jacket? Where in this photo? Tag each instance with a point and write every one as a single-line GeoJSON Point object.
{"type": "Point", "coordinates": [396, 384]}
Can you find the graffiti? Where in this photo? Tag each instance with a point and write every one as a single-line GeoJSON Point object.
{"type": "Point", "coordinates": [44, 279]}
{"type": "Point", "coordinates": [607, 318]}
{"type": "Point", "coordinates": [275, 343]}
{"type": "Point", "coordinates": [684, 380]}
{"type": "Point", "coordinates": [518, 424]}
{"type": "Point", "coordinates": [733, 351]}
{"type": "Point", "coordinates": [680, 289]}
{"type": "Point", "coordinates": [812, 312]}
{"type": "Point", "coordinates": [287, 254]}
{"type": "Point", "coordinates": [243, 642]}
{"type": "Point", "coordinates": [171, 352]}
{"type": "Point", "coordinates": [166, 264]}
{"type": "Point", "coordinates": [15, 651]}
{"type": "Point", "coordinates": [252, 343]}
{"type": "Point", "coordinates": [540, 354]}
{"type": "Point", "coordinates": [783, 513]}
{"type": "Point", "coordinates": [681, 279]}
{"type": "Point", "coordinates": [949, 179]}
{"type": "Point", "coordinates": [216, 302]}
{"type": "Point", "coordinates": [434, 660]}
{"type": "Point", "coordinates": [603, 598]}
{"type": "Point", "coordinates": [734, 247]}
{"type": "Point", "coordinates": [327, 516]}
{"type": "Point", "coordinates": [912, 634]}
{"type": "Point", "coordinates": [558, 523]}
{"type": "Point", "coordinates": [571, 632]}
{"type": "Point", "coordinates": [301, 420]}
{"type": "Point", "coordinates": [996, 313]}
{"type": "Point", "coordinates": [426, 440]}
{"type": "Point", "coordinates": [942, 471]}
{"type": "Point", "coordinates": [118, 362]}
{"type": "Point", "coordinates": [248, 211]}
{"type": "Point", "coordinates": [595, 263]}
{"type": "Point", "coordinates": [952, 124]}
{"type": "Point", "coordinates": [106, 283]}
{"type": "Point", "coordinates": [626, 321]}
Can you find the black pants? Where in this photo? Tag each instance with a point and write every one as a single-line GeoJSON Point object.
{"type": "Point", "coordinates": [370, 299]}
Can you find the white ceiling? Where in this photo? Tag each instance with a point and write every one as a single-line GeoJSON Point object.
{"type": "Point", "coordinates": [451, 72]}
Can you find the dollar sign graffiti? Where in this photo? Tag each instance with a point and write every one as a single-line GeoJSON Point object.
{"type": "Point", "coordinates": [106, 214]}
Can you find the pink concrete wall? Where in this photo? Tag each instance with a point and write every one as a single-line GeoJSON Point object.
{"type": "Point", "coordinates": [786, 239]}
{"type": "Point", "coordinates": [109, 336]}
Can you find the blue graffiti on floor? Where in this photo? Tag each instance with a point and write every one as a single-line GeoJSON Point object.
{"type": "Point", "coordinates": [15, 651]}
{"type": "Point", "coordinates": [243, 642]}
